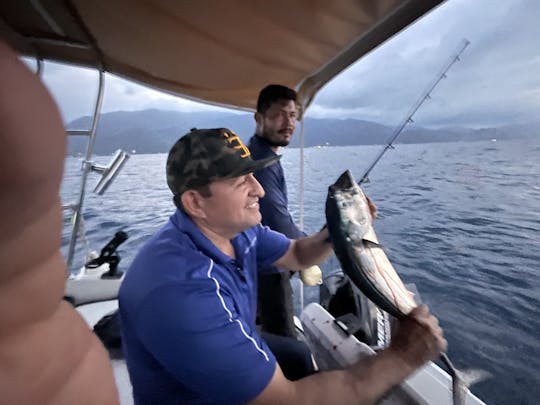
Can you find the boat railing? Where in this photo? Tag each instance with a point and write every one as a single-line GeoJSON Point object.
{"type": "Point", "coordinates": [108, 173]}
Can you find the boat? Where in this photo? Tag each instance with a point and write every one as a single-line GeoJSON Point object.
{"type": "Point", "coordinates": [221, 53]}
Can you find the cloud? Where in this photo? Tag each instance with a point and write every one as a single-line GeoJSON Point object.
{"type": "Point", "coordinates": [496, 82]}
{"type": "Point", "coordinates": [75, 90]}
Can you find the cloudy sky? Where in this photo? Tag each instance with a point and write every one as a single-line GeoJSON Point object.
{"type": "Point", "coordinates": [497, 81]}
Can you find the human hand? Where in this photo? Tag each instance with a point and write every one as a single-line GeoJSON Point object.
{"type": "Point", "coordinates": [419, 338]}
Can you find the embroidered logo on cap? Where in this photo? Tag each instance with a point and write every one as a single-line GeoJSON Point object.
{"type": "Point", "coordinates": [237, 143]}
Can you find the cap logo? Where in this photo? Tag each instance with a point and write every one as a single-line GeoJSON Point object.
{"type": "Point", "coordinates": [237, 143]}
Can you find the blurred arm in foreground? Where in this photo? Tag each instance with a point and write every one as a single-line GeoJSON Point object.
{"type": "Point", "coordinates": [44, 343]}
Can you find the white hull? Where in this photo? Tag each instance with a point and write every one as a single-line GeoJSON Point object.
{"type": "Point", "coordinates": [429, 385]}
{"type": "Point", "coordinates": [331, 346]}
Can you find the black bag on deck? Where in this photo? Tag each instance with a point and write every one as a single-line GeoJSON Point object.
{"type": "Point", "coordinates": [108, 331]}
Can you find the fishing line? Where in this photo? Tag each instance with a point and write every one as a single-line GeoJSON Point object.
{"type": "Point", "coordinates": [423, 97]}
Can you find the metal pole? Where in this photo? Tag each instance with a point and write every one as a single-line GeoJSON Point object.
{"type": "Point", "coordinates": [87, 165]}
{"type": "Point", "coordinates": [39, 67]}
{"type": "Point", "coordinates": [301, 198]}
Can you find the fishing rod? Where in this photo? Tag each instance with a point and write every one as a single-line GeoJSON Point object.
{"type": "Point", "coordinates": [458, 377]}
{"type": "Point", "coordinates": [408, 118]}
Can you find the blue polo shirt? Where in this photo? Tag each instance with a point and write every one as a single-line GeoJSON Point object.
{"type": "Point", "coordinates": [188, 316]}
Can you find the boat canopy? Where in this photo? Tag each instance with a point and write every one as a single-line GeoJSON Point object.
{"type": "Point", "coordinates": [214, 51]}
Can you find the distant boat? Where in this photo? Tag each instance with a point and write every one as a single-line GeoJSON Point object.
{"type": "Point", "coordinates": [493, 140]}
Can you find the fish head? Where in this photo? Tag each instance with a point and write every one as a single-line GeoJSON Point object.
{"type": "Point", "coordinates": [350, 201]}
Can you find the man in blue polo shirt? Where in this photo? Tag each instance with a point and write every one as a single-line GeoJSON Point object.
{"type": "Point", "coordinates": [188, 302]}
{"type": "Point", "coordinates": [275, 119]}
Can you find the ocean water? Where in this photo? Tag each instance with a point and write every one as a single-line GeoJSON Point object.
{"type": "Point", "coordinates": [460, 220]}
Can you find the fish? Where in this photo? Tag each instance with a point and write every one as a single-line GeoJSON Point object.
{"type": "Point", "coordinates": [357, 247]}
{"type": "Point", "coordinates": [362, 258]}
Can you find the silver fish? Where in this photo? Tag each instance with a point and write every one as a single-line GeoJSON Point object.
{"type": "Point", "coordinates": [363, 260]}
{"type": "Point", "coordinates": [357, 248]}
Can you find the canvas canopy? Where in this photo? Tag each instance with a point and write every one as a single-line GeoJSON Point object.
{"type": "Point", "coordinates": [217, 51]}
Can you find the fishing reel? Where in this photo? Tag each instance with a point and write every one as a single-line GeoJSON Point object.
{"type": "Point", "coordinates": [109, 256]}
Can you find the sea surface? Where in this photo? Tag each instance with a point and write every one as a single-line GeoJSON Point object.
{"type": "Point", "coordinates": [459, 220]}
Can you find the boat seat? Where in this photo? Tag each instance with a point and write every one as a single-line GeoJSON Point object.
{"type": "Point", "coordinates": [85, 291]}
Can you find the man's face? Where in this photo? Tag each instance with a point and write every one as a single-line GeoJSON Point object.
{"type": "Point", "coordinates": [278, 122]}
{"type": "Point", "coordinates": [234, 205]}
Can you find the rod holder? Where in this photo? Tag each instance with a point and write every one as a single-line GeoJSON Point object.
{"type": "Point", "coordinates": [109, 172]}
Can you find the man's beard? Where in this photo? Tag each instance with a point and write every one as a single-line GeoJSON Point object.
{"type": "Point", "coordinates": [276, 143]}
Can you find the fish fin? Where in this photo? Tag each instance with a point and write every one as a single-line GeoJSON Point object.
{"type": "Point", "coordinates": [463, 379]}
{"type": "Point", "coordinates": [371, 235]}
{"type": "Point", "coordinates": [369, 243]}
{"type": "Point", "coordinates": [474, 375]}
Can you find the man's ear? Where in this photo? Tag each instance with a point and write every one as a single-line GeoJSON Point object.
{"type": "Point", "coordinates": [258, 120]}
{"type": "Point", "coordinates": [193, 203]}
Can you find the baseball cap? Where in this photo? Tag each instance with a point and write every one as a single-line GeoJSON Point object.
{"type": "Point", "coordinates": [205, 155]}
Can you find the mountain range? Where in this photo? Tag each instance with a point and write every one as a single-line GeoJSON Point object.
{"type": "Point", "coordinates": [154, 131]}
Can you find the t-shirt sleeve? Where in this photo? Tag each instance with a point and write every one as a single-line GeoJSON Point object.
{"type": "Point", "coordinates": [271, 246]}
{"type": "Point", "coordinates": [202, 341]}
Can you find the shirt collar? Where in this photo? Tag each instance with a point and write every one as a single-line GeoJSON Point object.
{"type": "Point", "coordinates": [260, 143]}
{"type": "Point", "coordinates": [185, 224]}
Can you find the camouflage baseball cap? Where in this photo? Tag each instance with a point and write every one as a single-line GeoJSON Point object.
{"type": "Point", "coordinates": [205, 155]}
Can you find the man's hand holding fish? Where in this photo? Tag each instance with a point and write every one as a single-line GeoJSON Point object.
{"type": "Point", "coordinates": [418, 338]}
